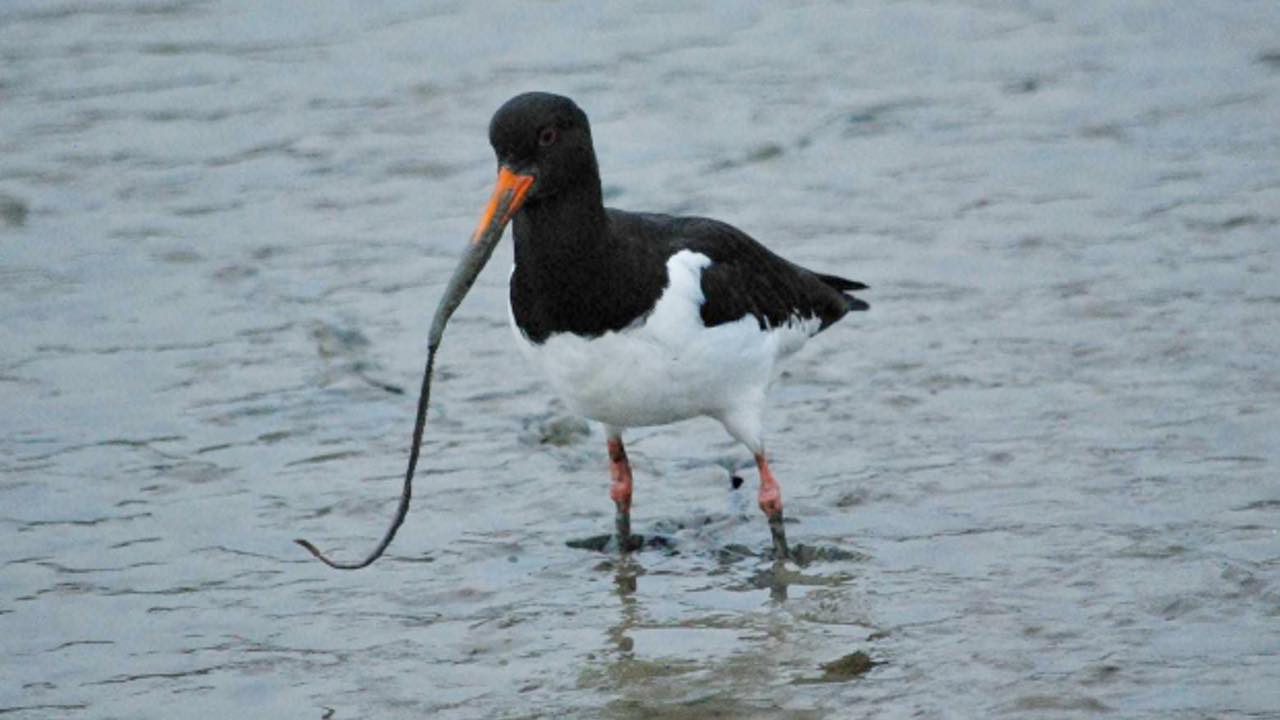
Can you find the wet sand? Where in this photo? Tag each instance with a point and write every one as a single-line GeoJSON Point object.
{"type": "Point", "coordinates": [1039, 477]}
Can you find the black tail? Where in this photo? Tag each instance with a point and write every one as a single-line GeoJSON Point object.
{"type": "Point", "coordinates": [845, 286]}
{"type": "Point", "coordinates": [841, 284]}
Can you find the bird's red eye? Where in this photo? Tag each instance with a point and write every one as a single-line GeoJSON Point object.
{"type": "Point", "coordinates": [547, 136]}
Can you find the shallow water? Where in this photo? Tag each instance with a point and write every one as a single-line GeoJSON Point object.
{"type": "Point", "coordinates": [1041, 472]}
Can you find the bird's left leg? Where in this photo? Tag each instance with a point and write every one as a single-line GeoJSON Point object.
{"type": "Point", "coordinates": [745, 425]}
{"type": "Point", "coordinates": [620, 487]}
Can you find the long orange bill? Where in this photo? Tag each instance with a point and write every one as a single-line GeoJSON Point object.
{"type": "Point", "coordinates": [507, 198]}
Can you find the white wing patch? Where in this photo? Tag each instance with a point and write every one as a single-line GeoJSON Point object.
{"type": "Point", "coordinates": [677, 316]}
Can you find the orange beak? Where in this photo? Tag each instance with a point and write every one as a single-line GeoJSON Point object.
{"type": "Point", "coordinates": [508, 196]}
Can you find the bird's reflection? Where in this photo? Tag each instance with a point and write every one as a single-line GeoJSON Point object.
{"type": "Point", "coordinates": [626, 573]}
{"type": "Point", "coordinates": [627, 570]}
{"type": "Point", "coordinates": [777, 577]}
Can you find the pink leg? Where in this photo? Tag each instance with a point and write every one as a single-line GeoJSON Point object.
{"type": "Point", "coordinates": [620, 490]}
{"type": "Point", "coordinates": [770, 498]}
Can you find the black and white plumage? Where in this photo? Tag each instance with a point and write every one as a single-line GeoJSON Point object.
{"type": "Point", "coordinates": [693, 323]}
{"type": "Point", "coordinates": [644, 319]}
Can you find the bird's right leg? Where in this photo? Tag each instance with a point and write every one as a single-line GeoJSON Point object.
{"type": "Point", "coordinates": [770, 498]}
{"type": "Point", "coordinates": [620, 488]}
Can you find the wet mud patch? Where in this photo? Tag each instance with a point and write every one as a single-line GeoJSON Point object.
{"type": "Point", "coordinates": [13, 211]}
{"type": "Point", "coordinates": [805, 555]}
{"type": "Point", "coordinates": [802, 554]}
{"type": "Point", "coordinates": [663, 537]}
{"type": "Point", "coordinates": [716, 707]}
{"type": "Point", "coordinates": [609, 543]}
{"type": "Point", "coordinates": [850, 667]}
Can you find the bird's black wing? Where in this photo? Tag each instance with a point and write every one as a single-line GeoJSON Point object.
{"type": "Point", "coordinates": [746, 278]}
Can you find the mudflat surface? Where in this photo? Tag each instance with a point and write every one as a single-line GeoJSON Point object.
{"type": "Point", "coordinates": [1039, 477]}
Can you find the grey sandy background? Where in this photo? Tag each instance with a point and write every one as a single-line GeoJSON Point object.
{"type": "Point", "coordinates": [1044, 463]}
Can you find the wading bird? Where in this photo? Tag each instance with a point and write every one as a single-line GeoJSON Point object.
{"type": "Point", "coordinates": [636, 319]}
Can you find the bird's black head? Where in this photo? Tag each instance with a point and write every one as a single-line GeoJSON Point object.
{"type": "Point", "coordinates": [543, 143]}
{"type": "Point", "coordinates": [546, 137]}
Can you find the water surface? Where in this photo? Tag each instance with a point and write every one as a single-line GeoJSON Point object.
{"type": "Point", "coordinates": [1042, 469]}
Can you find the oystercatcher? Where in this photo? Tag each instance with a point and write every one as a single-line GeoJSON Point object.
{"type": "Point", "coordinates": [638, 318]}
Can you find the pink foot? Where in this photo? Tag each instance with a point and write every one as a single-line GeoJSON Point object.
{"type": "Point", "coordinates": [620, 491]}
{"type": "Point", "coordinates": [620, 476]}
{"type": "Point", "coordinates": [770, 495]}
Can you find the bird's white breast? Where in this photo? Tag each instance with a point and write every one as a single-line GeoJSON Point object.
{"type": "Point", "coordinates": [668, 365]}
